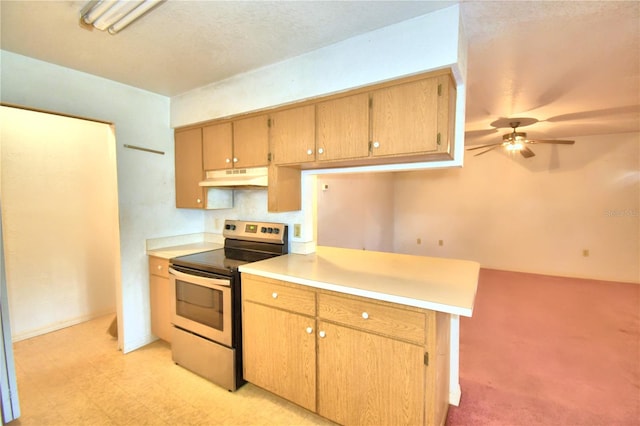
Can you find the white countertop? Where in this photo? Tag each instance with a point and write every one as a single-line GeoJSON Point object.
{"type": "Point", "coordinates": [445, 285]}
{"type": "Point", "coordinates": [183, 249]}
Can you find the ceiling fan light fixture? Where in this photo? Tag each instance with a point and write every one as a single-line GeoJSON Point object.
{"type": "Point", "coordinates": [115, 15]}
{"type": "Point", "coordinates": [515, 146]}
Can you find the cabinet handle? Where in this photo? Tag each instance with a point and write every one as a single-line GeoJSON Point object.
{"type": "Point", "coordinates": [309, 330]}
{"type": "Point", "coordinates": [227, 160]}
{"type": "Point", "coordinates": [365, 315]}
{"type": "Point", "coordinates": [322, 334]}
{"type": "Point", "coordinates": [376, 144]}
{"type": "Point", "coordinates": [235, 160]}
{"type": "Point", "coordinates": [320, 150]}
{"type": "Point", "coordinates": [274, 295]}
{"type": "Point", "coordinates": [309, 151]}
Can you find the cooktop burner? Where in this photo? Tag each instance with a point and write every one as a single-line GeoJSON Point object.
{"type": "Point", "coordinates": [213, 261]}
{"type": "Point", "coordinates": [244, 242]}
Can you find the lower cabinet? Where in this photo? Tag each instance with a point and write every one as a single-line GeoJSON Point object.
{"type": "Point", "coordinates": [160, 297]}
{"type": "Point", "coordinates": [280, 353]}
{"type": "Point", "coordinates": [365, 379]}
{"type": "Point", "coordinates": [350, 359]}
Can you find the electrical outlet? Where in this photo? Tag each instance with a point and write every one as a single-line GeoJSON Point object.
{"type": "Point", "coordinates": [418, 240]}
{"type": "Point", "coordinates": [585, 252]}
{"type": "Point", "coordinates": [296, 230]}
{"type": "Point", "coordinates": [440, 242]}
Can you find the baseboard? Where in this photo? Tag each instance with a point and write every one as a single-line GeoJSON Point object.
{"type": "Point", "coordinates": [59, 325]}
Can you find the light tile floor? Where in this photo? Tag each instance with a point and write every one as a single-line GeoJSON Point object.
{"type": "Point", "coordinates": [77, 376]}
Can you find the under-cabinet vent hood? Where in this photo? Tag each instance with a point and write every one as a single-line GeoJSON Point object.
{"type": "Point", "coordinates": [254, 178]}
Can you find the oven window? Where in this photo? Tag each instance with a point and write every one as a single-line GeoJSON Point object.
{"type": "Point", "coordinates": [200, 304]}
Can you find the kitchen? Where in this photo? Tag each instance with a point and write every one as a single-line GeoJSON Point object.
{"type": "Point", "coordinates": [141, 119]}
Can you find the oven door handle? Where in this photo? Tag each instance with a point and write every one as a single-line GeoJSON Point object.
{"type": "Point", "coordinates": [203, 281]}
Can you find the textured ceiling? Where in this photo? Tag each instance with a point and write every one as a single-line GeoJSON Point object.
{"type": "Point", "coordinates": [572, 65]}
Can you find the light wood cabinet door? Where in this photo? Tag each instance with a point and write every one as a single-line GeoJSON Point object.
{"type": "Point", "coordinates": [405, 119]}
{"type": "Point", "coordinates": [160, 297]}
{"type": "Point", "coordinates": [342, 128]}
{"type": "Point", "coordinates": [188, 169]}
{"type": "Point", "coordinates": [292, 135]}
{"type": "Point", "coordinates": [160, 301]}
{"type": "Point", "coordinates": [217, 147]}
{"type": "Point", "coordinates": [365, 379]}
{"type": "Point", "coordinates": [251, 142]}
{"type": "Point", "coordinates": [279, 352]}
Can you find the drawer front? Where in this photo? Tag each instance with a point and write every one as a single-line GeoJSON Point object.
{"type": "Point", "coordinates": [279, 296]}
{"type": "Point", "coordinates": [159, 266]}
{"type": "Point", "coordinates": [386, 320]}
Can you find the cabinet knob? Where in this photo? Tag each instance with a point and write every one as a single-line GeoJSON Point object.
{"type": "Point", "coordinates": [309, 330]}
{"type": "Point", "coordinates": [274, 295]}
{"type": "Point", "coordinates": [309, 151]}
{"type": "Point", "coordinates": [227, 160]}
{"type": "Point", "coordinates": [322, 334]}
{"type": "Point", "coordinates": [320, 150]}
{"type": "Point", "coordinates": [365, 315]}
{"type": "Point", "coordinates": [198, 201]}
{"type": "Point", "coordinates": [376, 144]}
{"type": "Point", "coordinates": [235, 160]}
{"type": "Point", "coordinates": [159, 267]}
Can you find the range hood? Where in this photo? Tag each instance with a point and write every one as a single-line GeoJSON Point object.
{"type": "Point", "coordinates": [254, 178]}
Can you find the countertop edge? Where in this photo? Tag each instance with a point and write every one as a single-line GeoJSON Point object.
{"type": "Point", "coordinates": [455, 310]}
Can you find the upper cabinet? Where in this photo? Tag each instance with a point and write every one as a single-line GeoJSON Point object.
{"type": "Point", "coordinates": [404, 119]}
{"type": "Point", "coordinates": [217, 146]}
{"type": "Point", "coordinates": [240, 144]}
{"type": "Point", "coordinates": [292, 135]}
{"type": "Point", "coordinates": [342, 128]}
{"type": "Point", "coordinates": [251, 142]}
{"type": "Point", "coordinates": [189, 171]}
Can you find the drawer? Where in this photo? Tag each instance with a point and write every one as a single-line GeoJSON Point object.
{"type": "Point", "coordinates": [269, 292]}
{"type": "Point", "coordinates": [159, 266]}
{"type": "Point", "coordinates": [374, 317]}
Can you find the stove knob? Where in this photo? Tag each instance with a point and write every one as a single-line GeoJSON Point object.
{"type": "Point", "coordinates": [227, 226]}
{"type": "Point", "coordinates": [263, 229]}
{"type": "Point", "coordinates": [276, 230]}
{"type": "Point", "coordinates": [233, 227]}
{"type": "Point", "coordinates": [270, 230]}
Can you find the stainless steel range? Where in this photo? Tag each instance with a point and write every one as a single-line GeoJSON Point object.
{"type": "Point", "coordinates": [206, 311]}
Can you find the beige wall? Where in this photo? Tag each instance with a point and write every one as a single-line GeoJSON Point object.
{"type": "Point", "coordinates": [355, 211]}
{"type": "Point", "coordinates": [60, 220]}
{"type": "Point", "coordinates": [533, 215]}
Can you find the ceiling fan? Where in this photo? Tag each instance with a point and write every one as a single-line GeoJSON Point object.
{"type": "Point", "coordinates": [517, 141]}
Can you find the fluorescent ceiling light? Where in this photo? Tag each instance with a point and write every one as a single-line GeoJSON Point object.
{"type": "Point", "coordinates": [114, 15]}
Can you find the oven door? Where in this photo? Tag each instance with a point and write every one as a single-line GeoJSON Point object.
{"type": "Point", "coordinates": [202, 305]}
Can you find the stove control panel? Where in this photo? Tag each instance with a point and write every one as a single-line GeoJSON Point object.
{"type": "Point", "coordinates": [255, 231]}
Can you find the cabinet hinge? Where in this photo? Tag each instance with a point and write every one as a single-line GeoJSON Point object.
{"type": "Point", "coordinates": [269, 123]}
{"type": "Point", "coordinates": [439, 89]}
{"type": "Point", "coordinates": [369, 146]}
{"type": "Point", "coordinates": [269, 157]}
{"type": "Point", "coordinates": [370, 102]}
{"type": "Point", "coordinates": [426, 358]}
{"type": "Point", "coordinates": [438, 139]}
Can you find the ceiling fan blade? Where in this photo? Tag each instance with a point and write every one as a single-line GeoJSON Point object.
{"type": "Point", "coordinates": [490, 149]}
{"type": "Point", "coordinates": [485, 146]}
{"type": "Point", "coordinates": [526, 152]}
{"type": "Point", "coordinates": [556, 141]}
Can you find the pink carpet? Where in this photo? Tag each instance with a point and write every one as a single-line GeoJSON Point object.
{"type": "Point", "coordinates": [543, 350]}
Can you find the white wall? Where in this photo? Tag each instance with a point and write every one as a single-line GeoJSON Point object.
{"type": "Point", "coordinates": [356, 211]}
{"type": "Point", "coordinates": [145, 181]}
{"type": "Point", "coordinates": [60, 211]}
{"type": "Point", "coordinates": [532, 215]}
